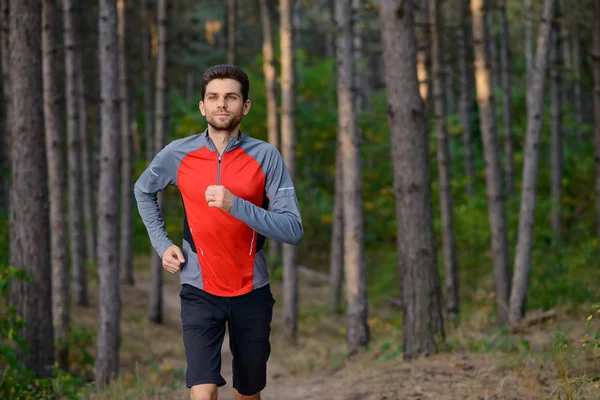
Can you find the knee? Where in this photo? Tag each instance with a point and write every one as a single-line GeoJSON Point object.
{"type": "Point", "coordinates": [239, 396]}
{"type": "Point", "coordinates": [204, 392]}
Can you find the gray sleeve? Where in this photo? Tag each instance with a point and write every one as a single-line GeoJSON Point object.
{"type": "Point", "coordinates": [161, 173]}
{"type": "Point", "coordinates": [283, 223]}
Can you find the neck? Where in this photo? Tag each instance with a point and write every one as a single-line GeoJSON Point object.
{"type": "Point", "coordinates": [222, 136]}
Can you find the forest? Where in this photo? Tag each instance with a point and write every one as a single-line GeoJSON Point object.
{"type": "Point", "coordinates": [446, 160]}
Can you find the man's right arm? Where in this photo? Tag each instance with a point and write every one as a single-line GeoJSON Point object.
{"type": "Point", "coordinates": [161, 173]}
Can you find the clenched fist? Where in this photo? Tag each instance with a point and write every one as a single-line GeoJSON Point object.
{"type": "Point", "coordinates": [172, 259]}
{"type": "Point", "coordinates": [220, 197]}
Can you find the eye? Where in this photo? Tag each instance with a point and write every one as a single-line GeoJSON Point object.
{"type": "Point", "coordinates": [231, 97]}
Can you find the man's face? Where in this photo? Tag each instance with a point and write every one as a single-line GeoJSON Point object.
{"type": "Point", "coordinates": [223, 105]}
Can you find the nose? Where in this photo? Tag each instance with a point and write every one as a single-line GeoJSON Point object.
{"type": "Point", "coordinates": [222, 103]}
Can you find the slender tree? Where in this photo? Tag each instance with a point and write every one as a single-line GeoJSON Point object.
{"type": "Point", "coordinates": [556, 127]}
{"type": "Point", "coordinates": [443, 159]}
{"type": "Point", "coordinates": [506, 98]}
{"type": "Point", "coordinates": [147, 80]}
{"type": "Point", "coordinates": [336, 255]}
{"type": "Point", "coordinates": [596, 98]}
{"type": "Point", "coordinates": [466, 91]}
{"type": "Point", "coordinates": [288, 147]}
{"type": "Point", "coordinates": [354, 258]}
{"type": "Point", "coordinates": [126, 250]}
{"type": "Point", "coordinates": [29, 225]}
{"type": "Point", "coordinates": [109, 316]}
{"type": "Point", "coordinates": [535, 109]}
{"type": "Point", "coordinates": [5, 139]}
{"type": "Point", "coordinates": [56, 181]}
{"type": "Point", "coordinates": [577, 93]}
{"type": "Point", "coordinates": [423, 60]}
{"type": "Point", "coordinates": [528, 43]}
{"type": "Point", "coordinates": [493, 173]}
{"type": "Point", "coordinates": [75, 194]}
{"type": "Point", "coordinates": [421, 295]}
{"type": "Point", "coordinates": [160, 139]}
{"type": "Point", "coordinates": [271, 93]}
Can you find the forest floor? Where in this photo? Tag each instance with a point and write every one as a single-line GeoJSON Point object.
{"type": "Point", "coordinates": [479, 362]}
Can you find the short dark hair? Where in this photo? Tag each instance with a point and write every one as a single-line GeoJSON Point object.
{"type": "Point", "coordinates": [225, 71]}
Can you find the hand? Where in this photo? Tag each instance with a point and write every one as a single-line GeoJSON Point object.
{"type": "Point", "coordinates": [220, 197]}
{"type": "Point", "coordinates": [172, 259]}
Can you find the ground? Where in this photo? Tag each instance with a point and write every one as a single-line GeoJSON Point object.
{"type": "Point", "coordinates": [478, 362]}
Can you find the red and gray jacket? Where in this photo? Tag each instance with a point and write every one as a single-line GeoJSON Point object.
{"type": "Point", "coordinates": [224, 253]}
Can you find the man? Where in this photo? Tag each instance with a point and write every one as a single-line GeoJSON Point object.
{"type": "Point", "coordinates": [227, 181]}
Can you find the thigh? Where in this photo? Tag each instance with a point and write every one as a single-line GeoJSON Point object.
{"type": "Point", "coordinates": [203, 334]}
{"type": "Point", "coordinates": [249, 331]}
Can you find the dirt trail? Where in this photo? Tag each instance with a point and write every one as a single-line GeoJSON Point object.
{"type": "Point", "coordinates": [172, 310]}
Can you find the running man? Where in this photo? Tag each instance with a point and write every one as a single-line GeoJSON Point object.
{"type": "Point", "coordinates": [227, 181]}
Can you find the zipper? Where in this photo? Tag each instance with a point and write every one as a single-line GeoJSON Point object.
{"type": "Point", "coordinates": [252, 243]}
{"type": "Point", "coordinates": [219, 172]}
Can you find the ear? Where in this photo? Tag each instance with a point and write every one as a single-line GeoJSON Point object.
{"type": "Point", "coordinates": [247, 105]}
{"type": "Point", "coordinates": [201, 107]}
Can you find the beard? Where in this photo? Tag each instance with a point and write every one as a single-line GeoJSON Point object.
{"type": "Point", "coordinates": [227, 125]}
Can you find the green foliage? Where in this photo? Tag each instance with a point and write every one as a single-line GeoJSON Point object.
{"type": "Point", "coordinates": [16, 380]}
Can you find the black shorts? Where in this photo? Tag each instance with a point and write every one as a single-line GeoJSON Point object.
{"type": "Point", "coordinates": [249, 316]}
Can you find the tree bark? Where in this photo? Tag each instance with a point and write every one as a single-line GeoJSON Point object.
{"type": "Point", "coordinates": [466, 91]}
{"type": "Point", "coordinates": [336, 258]}
{"type": "Point", "coordinates": [56, 181]}
{"type": "Point", "coordinates": [231, 32]}
{"type": "Point", "coordinates": [556, 128]}
{"type": "Point", "coordinates": [160, 140]}
{"type": "Point", "coordinates": [518, 296]}
{"type": "Point", "coordinates": [357, 333]}
{"type": "Point", "coordinates": [126, 226]}
{"type": "Point", "coordinates": [147, 80]}
{"type": "Point", "coordinates": [443, 159]}
{"type": "Point", "coordinates": [107, 359]}
{"type": "Point", "coordinates": [528, 43]}
{"type": "Point", "coordinates": [75, 193]}
{"type": "Point", "coordinates": [577, 95]}
{"type": "Point", "coordinates": [288, 147]}
{"type": "Point", "coordinates": [29, 225]}
{"type": "Point", "coordinates": [595, 62]}
{"type": "Point", "coordinates": [421, 296]}
{"type": "Point", "coordinates": [506, 99]}
{"type": "Point", "coordinates": [271, 93]}
{"type": "Point", "coordinates": [493, 173]}
{"type": "Point", "coordinates": [6, 96]}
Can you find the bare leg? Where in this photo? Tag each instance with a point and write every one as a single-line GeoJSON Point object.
{"type": "Point", "coordinates": [204, 392]}
{"type": "Point", "coordinates": [238, 396]}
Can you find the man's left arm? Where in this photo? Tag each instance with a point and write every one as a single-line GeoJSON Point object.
{"type": "Point", "coordinates": [283, 223]}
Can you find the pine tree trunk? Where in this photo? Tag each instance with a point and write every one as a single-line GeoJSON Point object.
{"type": "Point", "coordinates": [443, 160]}
{"type": "Point", "coordinates": [466, 91]}
{"type": "Point", "coordinates": [56, 181]}
{"type": "Point", "coordinates": [577, 95]}
{"type": "Point", "coordinates": [107, 359]}
{"type": "Point", "coordinates": [528, 43]}
{"type": "Point", "coordinates": [595, 62]}
{"type": "Point", "coordinates": [75, 193]}
{"type": "Point", "coordinates": [361, 90]}
{"type": "Point", "coordinates": [147, 81]}
{"type": "Point", "coordinates": [423, 61]}
{"type": "Point", "coordinates": [126, 225]}
{"type": "Point", "coordinates": [160, 140]}
{"type": "Point", "coordinates": [421, 295]}
{"type": "Point", "coordinates": [506, 99]}
{"type": "Point", "coordinates": [29, 224]}
{"type": "Point", "coordinates": [518, 296]}
{"type": "Point", "coordinates": [357, 335]}
{"type": "Point", "coordinates": [271, 93]}
{"type": "Point", "coordinates": [6, 96]}
{"type": "Point", "coordinates": [288, 147]}
{"type": "Point", "coordinates": [492, 46]}
{"type": "Point", "coordinates": [556, 128]}
{"type": "Point", "coordinates": [231, 32]}
{"type": "Point", "coordinates": [336, 260]}
{"type": "Point", "coordinates": [493, 173]}
{"type": "Point", "coordinates": [86, 165]}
